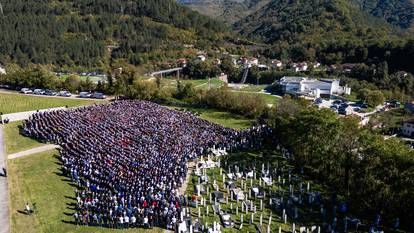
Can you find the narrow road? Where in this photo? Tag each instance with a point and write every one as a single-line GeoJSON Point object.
{"type": "Point", "coordinates": [33, 151]}
{"type": "Point", "coordinates": [4, 191]}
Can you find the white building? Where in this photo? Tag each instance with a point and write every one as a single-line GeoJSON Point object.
{"type": "Point", "coordinates": [312, 87]}
{"type": "Point", "coordinates": [408, 128]}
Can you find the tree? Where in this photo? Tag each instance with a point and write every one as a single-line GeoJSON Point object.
{"type": "Point", "coordinates": [373, 98]}
{"type": "Point", "coordinates": [72, 83]}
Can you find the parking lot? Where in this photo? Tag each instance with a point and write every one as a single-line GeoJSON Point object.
{"type": "Point", "coordinates": [53, 93]}
{"type": "Point", "coordinates": [347, 108]}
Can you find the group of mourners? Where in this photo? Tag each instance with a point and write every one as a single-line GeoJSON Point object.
{"type": "Point", "coordinates": [129, 158]}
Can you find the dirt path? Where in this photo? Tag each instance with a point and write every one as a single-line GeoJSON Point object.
{"type": "Point", "coordinates": [4, 191]}
{"type": "Point", "coordinates": [191, 166]}
{"type": "Point", "coordinates": [33, 151]}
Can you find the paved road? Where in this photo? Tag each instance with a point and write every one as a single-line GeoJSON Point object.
{"type": "Point", "coordinates": [4, 191]}
{"type": "Point", "coordinates": [33, 151]}
{"type": "Point", "coordinates": [19, 116]}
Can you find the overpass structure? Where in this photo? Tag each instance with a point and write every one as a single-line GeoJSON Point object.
{"type": "Point", "coordinates": [166, 72]}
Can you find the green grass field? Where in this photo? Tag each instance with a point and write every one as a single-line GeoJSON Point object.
{"type": "Point", "coordinates": [11, 103]}
{"type": "Point", "coordinates": [197, 83]}
{"type": "Point", "coordinates": [14, 141]}
{"type": "Point", "coordinates": [223, 118]}
{"type": "Point", "coordinates": [269, 99]}
{"type": "Point", "coordinates": [37, 179]}
{"type": "Point", "coordinates": [254, 88]}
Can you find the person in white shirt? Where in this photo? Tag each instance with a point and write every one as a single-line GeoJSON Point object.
{"type": "Point", "coordinates": [133, 220]}
{"type": "Point", "coordinates": [146, 225]}
{"type": "Point", "coordinates": [126, 220]}
{"type": "Point", "coordinates": [121, 222]}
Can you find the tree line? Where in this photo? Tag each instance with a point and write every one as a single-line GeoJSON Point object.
{"type": "Point", "coordinates": [73, 34]}
{"type": "Point", "coordinates": [374, 175]}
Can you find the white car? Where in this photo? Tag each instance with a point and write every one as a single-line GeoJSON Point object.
{"type": "Point", "coordinates": [65, 94]}
{"type": "Point", "coordinates": [38, 92]}
{"type": "Point", "coordinates": [98, 95]}
{"type": "Point", "coordinates": [85, 95]}
{"type": "Point", "coordinates": [26, 91]}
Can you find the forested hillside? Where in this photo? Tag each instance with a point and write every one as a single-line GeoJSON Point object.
{"type": "Point", "coordinates": [226, 10]}
{"type": "Point", "coordinates": [309, 21]}
{"type": "Point", "coordinates": [397, 12]}
{"type": "Point", "coordinates": [333, 32]}
{"type": "Point", "coordinates": [76, 32]}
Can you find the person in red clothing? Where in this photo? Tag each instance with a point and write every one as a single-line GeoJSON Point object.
{"type": "Point", "coordinates": [145, 204]}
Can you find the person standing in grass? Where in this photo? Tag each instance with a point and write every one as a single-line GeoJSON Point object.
{"type": "Point", "coordinates": [27, 209]}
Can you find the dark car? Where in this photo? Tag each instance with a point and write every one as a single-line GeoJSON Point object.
{"type": "Point", "coordinates": [50, 92]}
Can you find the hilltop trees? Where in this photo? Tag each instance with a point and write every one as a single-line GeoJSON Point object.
{"type": "Point", "coordinates": [75, 33]}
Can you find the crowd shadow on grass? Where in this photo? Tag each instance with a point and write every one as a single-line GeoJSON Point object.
{"type": "Point", "coordinates": [21, 132]}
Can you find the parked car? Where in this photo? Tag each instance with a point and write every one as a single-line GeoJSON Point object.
{"type": "Point", "coordinates": [85, 95]}
{"type": "Point", "coordinates": [344, 111]}
{"type": "Point", "coordinates": [26, 91]}
{"type": "Point", "coordinates": [65, 94]}
{"type": "Point", "coordinates": [344, 105]}
{"type": "Point", "coordinates": [337, 102]}
{"type": "Point", "coordinates": [50, 92]}
{"type": "Point", "coordinates": [38, 92]}
{"type": "Point", "coordinates": [98, 95]}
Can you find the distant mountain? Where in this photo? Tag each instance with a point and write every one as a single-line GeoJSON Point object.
{"type": "Point", "coordinates": [76, 33]}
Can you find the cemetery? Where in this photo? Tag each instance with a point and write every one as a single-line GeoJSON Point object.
{"type": "Point", "coordinates": [245, 191]}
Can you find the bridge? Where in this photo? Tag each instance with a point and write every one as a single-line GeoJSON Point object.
{"type": "Point", "coordinates": [166, 72]}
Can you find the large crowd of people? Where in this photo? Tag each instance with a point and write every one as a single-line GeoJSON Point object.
{"type": "Point", "coordinates": [129, 158]}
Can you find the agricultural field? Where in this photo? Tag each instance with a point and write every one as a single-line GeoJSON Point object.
{"type": "Point", "coordinates": [13, 102]}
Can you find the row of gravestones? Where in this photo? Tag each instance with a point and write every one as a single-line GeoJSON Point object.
{"type": "Point", "coordinates": [295, 198]}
